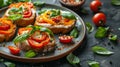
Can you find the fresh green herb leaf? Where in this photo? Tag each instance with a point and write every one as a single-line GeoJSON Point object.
{"type": "Point", "coordinates": [72, 59]}
{"type": "Point", "coordinates": [24, 1]}
{"type": "Point", "coordinates": [54, 13]}
{"type": "Point", "coordinates": [42, 11]}
{"type": "Point", "coordinates": [5, 2]}
{"type": "Point", "coordinates": [90, 28]}
{"type": "Point", "coordinates": [30, 54]}
{"type": "Point", "coordinates": [101, 32]}
{"type": "Point", "coordinates": [21, 37]}
{"type": "Point", "coordinates": [39, 4]}
{"type": "Point", "coordinates": [68, 15]}
{"type": "Point", "coordinates": [93, 64]}
{"type": "Point", "coordinates": [118, 28]}
{"type": "Point", "coordinates": [9, 64]}
{"type": "Point", "coordinates": [15, 17]}
{"type": "Point", "coordinates": [1, 59]}
{"type": "Point", "coordinates": [84, 11]}
{"type": "Point", "coordinates": [74, 32]}
{"type": "Point", "coordinates": [101, 50]}
{"type": "Point", "coordinates": [112, 37]}
{"type": "Point", "coordinates": [115, 2]}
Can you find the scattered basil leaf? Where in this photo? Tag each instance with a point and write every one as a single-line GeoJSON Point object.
{"type": "Point", "coordinates": [68, 15]}
{"type": "Point", "coordinates": [39, 4]}
{"type": "Point", "coordinates": [5, 2]}
{"type": "Point", "coordinates": [54, 13]}
{"type": "Point", "coordinates": [90, 28]}
{"type": "Point", "coordinates": [24, 1]}
{"type": "Point", "coordinates": [118, 28]}
{"type": "Point", "coordinates": [93, 64]}
{"type": "Point", "coordinates": [30, 54]}
{"type": "Point", "coordinates": [84, 11]}
{"type": "Point", "coordinates": [9, 64]}
{"type": "Point", "coordinates": [102, 51]}
{"type": "Point", "coordinates": [1, 59]}
{"type": "Point", "coordinates": [112, 37]}
{"type": "Point", "coordinates": [72, 59]}
{"type": "Point", "coordinates": [115, 2]}
{"type": "Point", "coordinates": [74, 32]}
{"type": "Point", "coordinates": [15, 17]}
{"type": "Point", "coordinates": [101, 32]}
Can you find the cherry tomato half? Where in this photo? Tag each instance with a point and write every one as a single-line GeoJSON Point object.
{"type": "Point", "coordinates": [14, 50]}
{"type": "Point", "coordinates": [65, 39]}
{"type": "Point", "coordinates": [4, 26]}
{"type": "Point", "coordinates": [95, 5]}
{"type": "Point", "coordinates": [99, 19]}
{"type": "Point", "coordinates": [35, 44]}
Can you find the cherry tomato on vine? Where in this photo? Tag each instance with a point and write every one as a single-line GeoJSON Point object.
{"type": "Point", "coordinates": [95, 5]}
{"type": "Point", "coordinates": [99, 19]}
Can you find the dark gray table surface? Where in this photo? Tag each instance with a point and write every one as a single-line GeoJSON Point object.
{"type": "Point", "coordinates": [85, 53]}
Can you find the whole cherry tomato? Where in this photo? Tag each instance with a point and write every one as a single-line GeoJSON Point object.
{"type": "Point", "coordinates": [95, 5]}
{"type": "Point", "coordinates": [14, 50]}
{"type": "Point", "coordinates": [4, 26]}
{"type": "Point", "coordinates": [99, 19]}
{"type": "Point", "coordinates": [65, 39]}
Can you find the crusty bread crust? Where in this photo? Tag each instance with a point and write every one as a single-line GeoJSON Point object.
{"type": "Point", "coordinates": [57, 30]}
{"type": "Point", "coordinates": [8, 37]}
{"type": "Point", "coordinates": [24, 21]}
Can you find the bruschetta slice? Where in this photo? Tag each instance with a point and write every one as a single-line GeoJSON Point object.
{"type": "Point", "coordinates": [7, 29]}
{"type": "Point", "coordinates": [57, 20]}
{"type": "Point", "coordinates": [38, 39]}
{"type": "Point", "coordinates": [23, 13]}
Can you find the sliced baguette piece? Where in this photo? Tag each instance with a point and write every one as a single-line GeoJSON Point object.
{"type": "Point", "coordinates": [8, 37]}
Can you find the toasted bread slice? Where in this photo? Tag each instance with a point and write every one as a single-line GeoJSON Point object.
{"type": "Point", "coordinates": [24, 21]}
{"type": "Point", "coordinates": [10, 35]}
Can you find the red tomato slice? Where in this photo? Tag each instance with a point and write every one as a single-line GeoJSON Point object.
{"type": "Point", "coordinates": [65, 39]}
{"type": "Point", "coordinates": [4, 26]}
{"type": "Point", "coordinates": [21, 30]}
{"type": "Point", "coordinates": [14, 50]}
{"type": "Point", "coordinates": [39, 37]}
{"type": "Point", "coordinates": [27, 14]}
{"type": "Point", "coordinates": [35, 44]}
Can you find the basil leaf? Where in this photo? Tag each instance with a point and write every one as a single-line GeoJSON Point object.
{"type": "Point", "coordinates": [101, 32]}
{"type": "Point", "coordinates": [21, 37]}
{"type": "Point", "coordinates": [90, 28]}
{"type": "Point", "coordinates": [72, 59]}
{"type": "Point", "coordinates": [54, 13]}
{"type": "Point", "coordinates": [1, 60]}
{"type": "Point", "coordinates": [115, 2]}
{"type": "Point", "coordinates": [39, 4]}
{"type": "Point", "coordinates": [24, 1]}
{"type": "Point", "coordinates": [112, 37]}
{"type": "Point", "coordinates": [30, 54]}
{"type": "Point", "coordinates": [118, 28]}
{"type": "Point", "coordinates": [93, 64]}
{"type": "Point", "coordinates": [74, 32]}
{"type": "Point", "coordinates": [42, 11]}
{"type": "Point", "coordinates": [9, 64]}
{"type": "Point", "coordinates": [101, 50]}
{"type": "Point", "coordinates": [68, 15]}
{"type": "Point", "coordinates": [5, 2]}
{"type": "Point", "coordinates": [15, 17]}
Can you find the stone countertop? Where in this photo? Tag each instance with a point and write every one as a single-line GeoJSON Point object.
{"type": "Point", "coordinates": [85, 53]}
